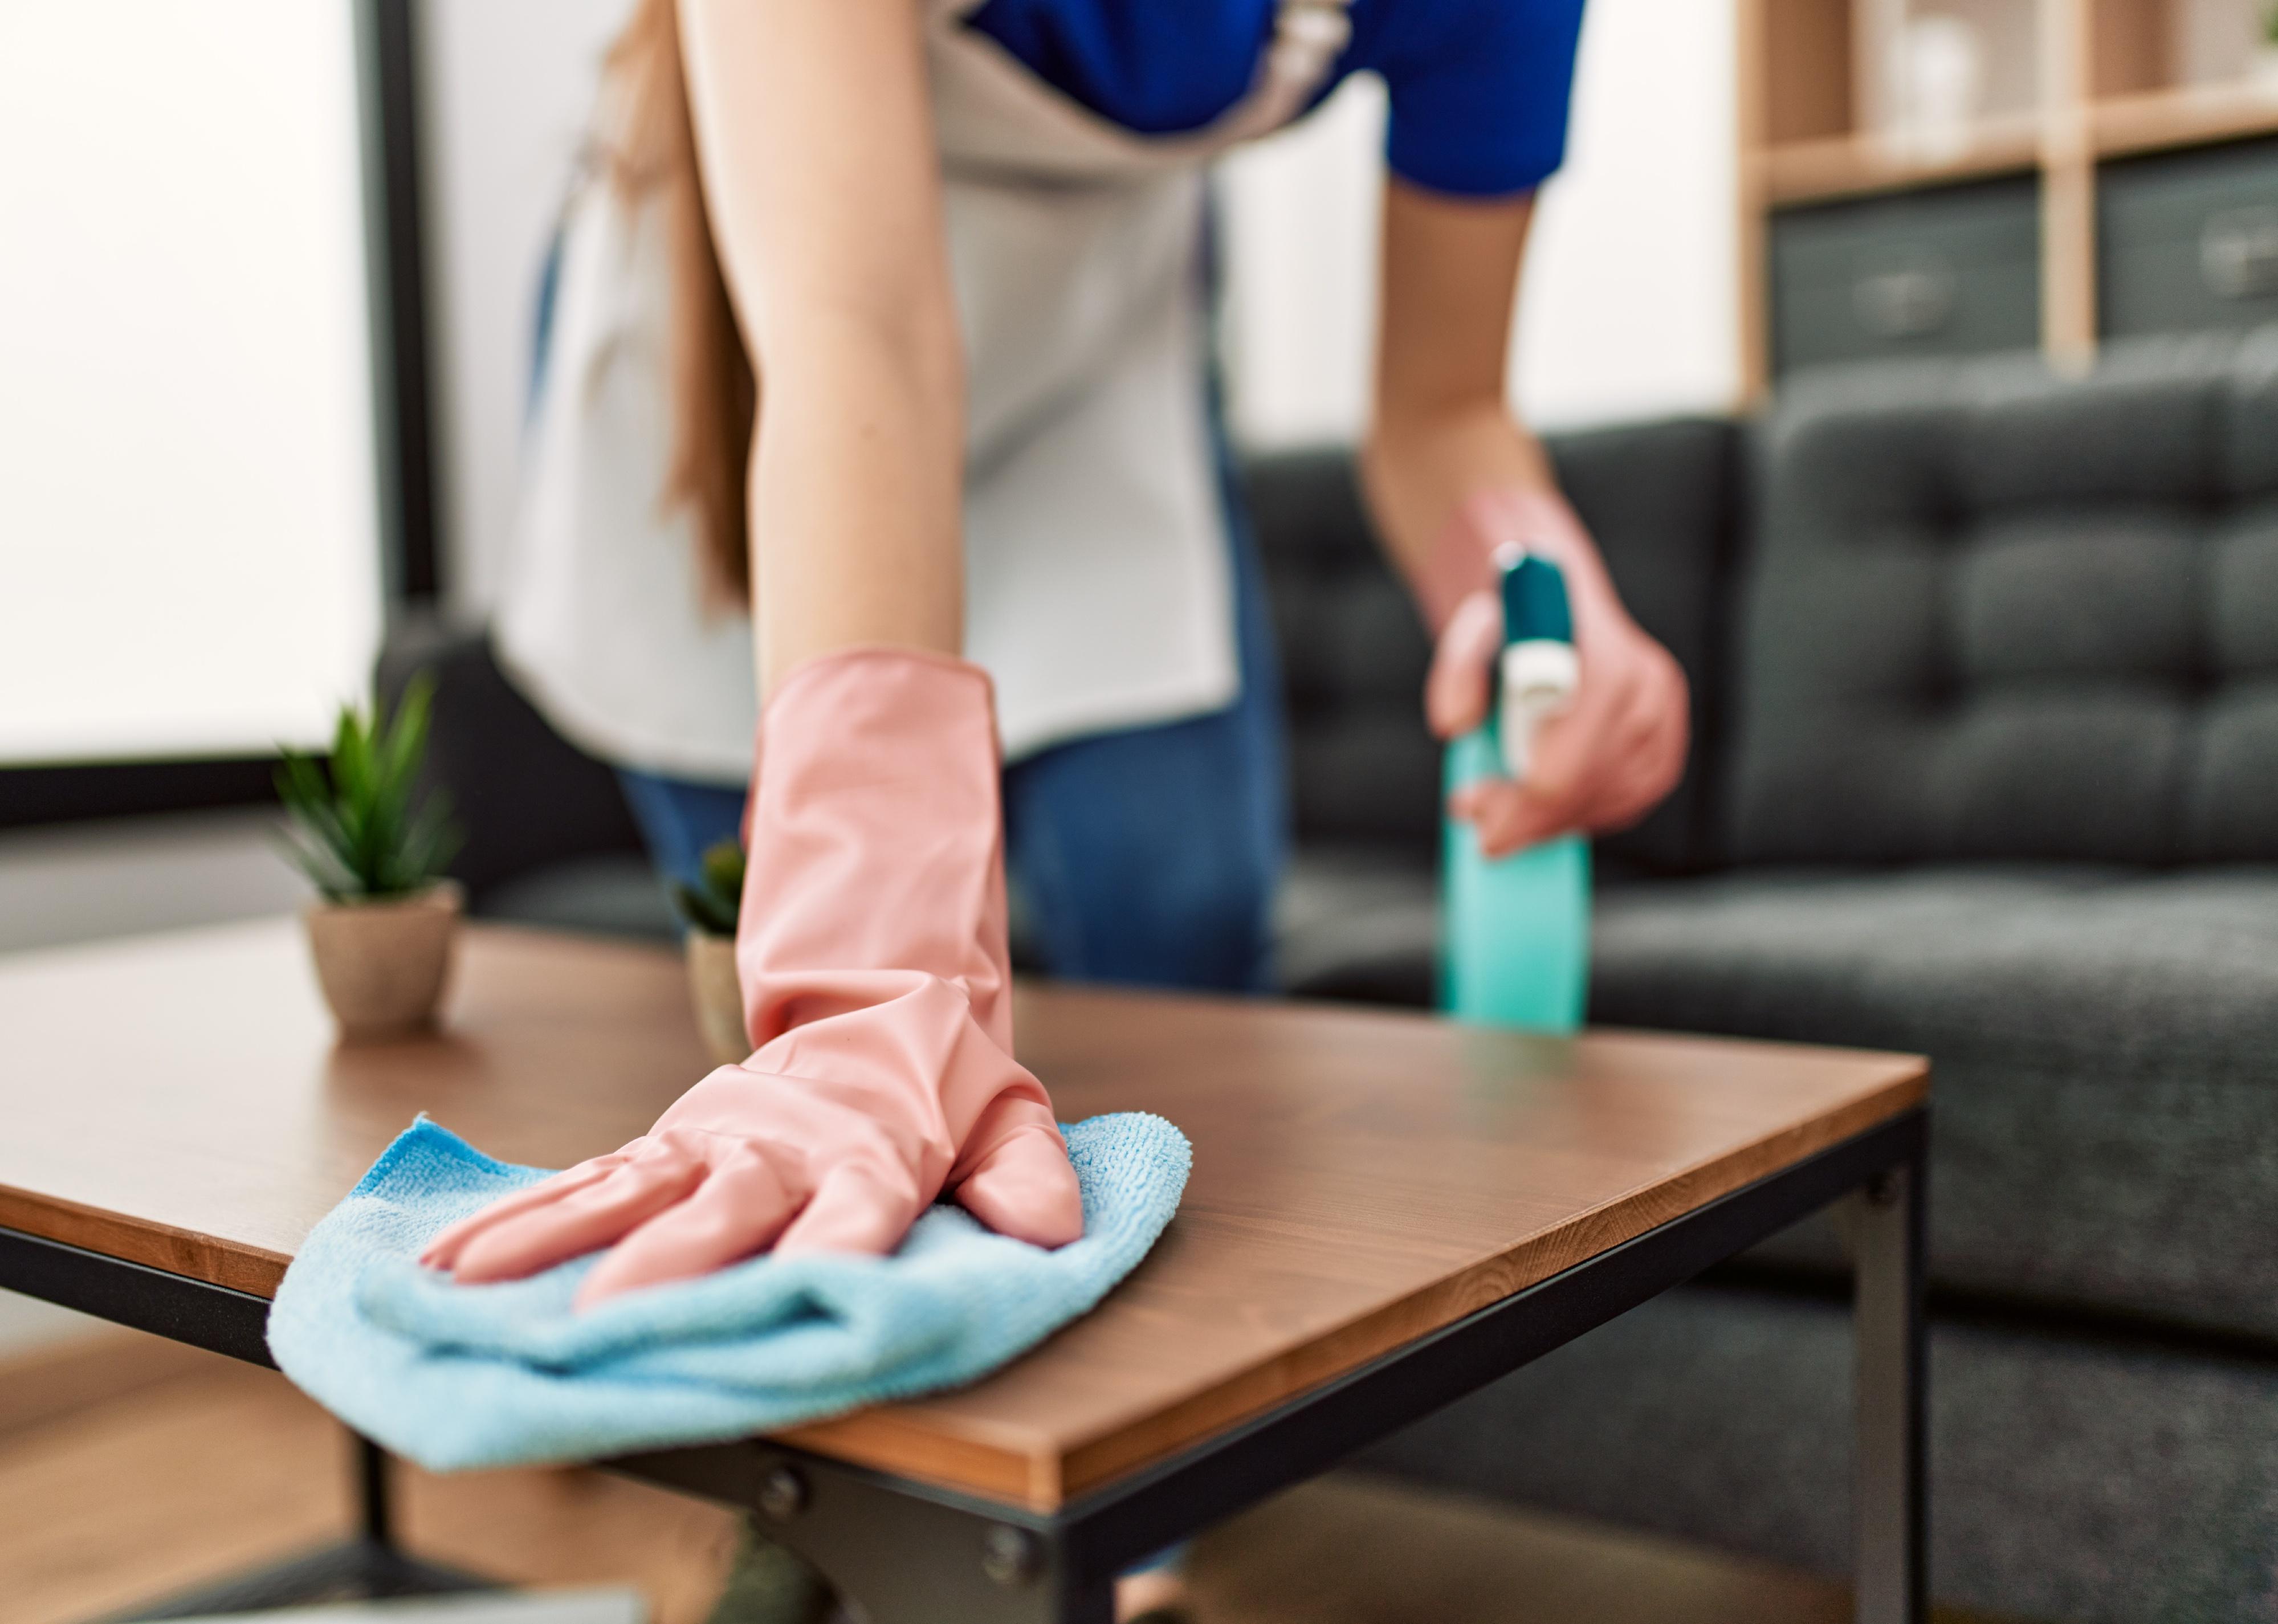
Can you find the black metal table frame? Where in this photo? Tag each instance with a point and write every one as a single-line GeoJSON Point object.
{"type": "Point", "coordinates": [908, 1552]}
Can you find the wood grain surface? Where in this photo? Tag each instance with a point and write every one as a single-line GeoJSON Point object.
{"type": "Point", "coordinates": [1361, 1178]}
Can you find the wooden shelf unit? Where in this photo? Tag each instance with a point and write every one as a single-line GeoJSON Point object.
{"type": "Point", "coordinates": [2069, 84]}
{"type": "Point", "coordinates": [2181, 115]}
{"type": "Point", "coordinates": [1833, 166]}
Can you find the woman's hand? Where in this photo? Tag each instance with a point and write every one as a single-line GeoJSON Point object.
{"type": "Point", "coordinates": [1609, 757]}
{"type": "Point", "coordinates": [877, 989]}
{"type": "Point", "coordinates": [749, 1160]}
{"type": "Point", "coordinates": [1451, 477]}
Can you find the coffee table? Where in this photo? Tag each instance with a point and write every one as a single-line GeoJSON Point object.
{"type": "Point", "coordinates": [1387, 1211]}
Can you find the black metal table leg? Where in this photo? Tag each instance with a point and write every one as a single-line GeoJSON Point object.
{"type": "Point", "coordinates": [906, 1552]}
{"type": "Point", "coordinates": [1890, 1496]}
{"type": "Point", "coordinates": [901, 1552]}
{"type": "Point", "coordinates": [375, 1509]}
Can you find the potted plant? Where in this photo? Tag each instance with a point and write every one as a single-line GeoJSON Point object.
{"type": "Point", "coordinates": [2264, 71]}
{"type": "Point", "coordinates": [385, 919]}
{"type": "Point", "coordinates": [711, 909]}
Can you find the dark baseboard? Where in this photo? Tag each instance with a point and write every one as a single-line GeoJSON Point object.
{"type": "Point", "coordinates": [31, 796]}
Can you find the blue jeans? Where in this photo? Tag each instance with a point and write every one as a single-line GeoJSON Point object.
{"type": "Point", "coordinates": [1148, 855]}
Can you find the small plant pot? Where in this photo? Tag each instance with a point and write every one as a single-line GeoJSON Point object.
{"type": "Point", "coordinates": [718, 995]}
{"type": "Point", "coordinates": [383, 965]}
{"type": "Point", "coordinates": [2262, 71]}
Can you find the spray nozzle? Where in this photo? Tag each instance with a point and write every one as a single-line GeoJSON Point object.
{"type": "Point", "coordinates": [1539, 670]}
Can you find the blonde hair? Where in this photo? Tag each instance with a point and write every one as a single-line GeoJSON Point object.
{"type": "Point", "coordinates": [648, 152]}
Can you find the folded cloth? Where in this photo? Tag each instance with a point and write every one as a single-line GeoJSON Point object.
{"type": "Point", "coordinates": [482, 1376]}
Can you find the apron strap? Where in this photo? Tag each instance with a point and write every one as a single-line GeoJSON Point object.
{"type": "Point", "coordinates": [994, 112]}
{"type": "Point", "coordinates": [1309, 35]}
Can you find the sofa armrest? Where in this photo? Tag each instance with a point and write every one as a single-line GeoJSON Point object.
{"type": "Point", "coordinates": [524, 797]}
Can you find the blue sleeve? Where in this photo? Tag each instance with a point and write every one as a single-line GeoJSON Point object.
{"type": "Point", "coordinates": [1480, 91]}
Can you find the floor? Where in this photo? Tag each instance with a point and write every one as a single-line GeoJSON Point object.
{"type": "Point", "coordinates": [130, 1469]}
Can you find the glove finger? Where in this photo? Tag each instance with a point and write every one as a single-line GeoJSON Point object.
{"type": "Point", "coordinates": [1025, 1188]}
{"type": "Point", "coordinates": [853, 1211]}
{"type": "Point", "coordinates": [579, 1223]}
{"type": "Point", "coordinates": [737, 1210]}
{"type": "Point", "coordinates": [443, 1251]}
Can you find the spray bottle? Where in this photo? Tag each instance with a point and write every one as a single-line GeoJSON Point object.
{"type": "Point", "coordinates": [1516, 951]}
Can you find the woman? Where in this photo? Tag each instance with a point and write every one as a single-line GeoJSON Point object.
{"type": "Point", "coordinates": [962, 246]}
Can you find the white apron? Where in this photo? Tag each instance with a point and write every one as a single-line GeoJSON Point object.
{"type": "Point", "coordinates": [1099, 590]}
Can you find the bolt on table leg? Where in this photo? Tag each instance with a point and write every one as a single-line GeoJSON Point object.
{"type": "Point", "coordinates": [899, 1557]}
{"type": "Point", "coordinates": [1885, 1231]}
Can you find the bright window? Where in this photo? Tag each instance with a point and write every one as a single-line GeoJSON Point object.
{"type": "Point", "coordinates": [188, 534]}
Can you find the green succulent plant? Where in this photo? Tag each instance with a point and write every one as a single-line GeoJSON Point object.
{"type": "Point", "coordinates": [350, 822]}
{"type": "Point", "coordinates": [2270, 22]}
{"type": "Point", "coordinates": [717, 903]}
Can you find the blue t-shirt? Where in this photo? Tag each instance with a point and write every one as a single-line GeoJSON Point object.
{"type": "Point", "coordinates": [1479, 88]}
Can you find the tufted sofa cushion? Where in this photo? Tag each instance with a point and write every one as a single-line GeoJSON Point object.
{"type": "Point", "coordinates": [2106, 1046]}
{"type": "Point", "coordinates": [1991, 613]}
{"type": "Point", "coordinates": [548, 841]}
{"type": "Point", "coordinates": [1362, 768]}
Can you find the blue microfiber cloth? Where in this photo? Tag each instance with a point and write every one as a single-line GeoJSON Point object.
{"type": "Point", "coordinates": [481, 1375]}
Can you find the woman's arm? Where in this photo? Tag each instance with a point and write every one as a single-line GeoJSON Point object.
{"type": "Point", "coordinates": [871, 951]}
{"type": "Point", "coordinates": [817, 152]}
{"type": "Point", "coordinates": [1450, 476]}
{"type": "Point", "coordinates": [1441, 430]}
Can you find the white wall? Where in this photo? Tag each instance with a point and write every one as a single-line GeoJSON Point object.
{"type": "Point", "coordinates": [1630, 295]}
{"type": "Point", "coordinates": [1629, 307]}
{"type": "Point", "coordinates": [1300, 216]}
{"type": "Point", "coordinates": [188, 558]}
{"type": "Point", "coordinates": [2216, 39]}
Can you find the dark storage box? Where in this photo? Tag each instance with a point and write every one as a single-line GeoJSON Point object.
{"type": "Point", "coordinates": [1955, 270]}
{"type": "Point", "coordinates": [2188, 242]}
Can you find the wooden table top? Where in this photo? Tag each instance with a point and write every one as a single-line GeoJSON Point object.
{"type": "Point", "coordinates": [1361, 1178]}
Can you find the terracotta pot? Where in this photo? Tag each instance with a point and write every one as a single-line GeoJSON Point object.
{"type": "Point", "coordinates": [382, 964]}
{"type": "Point", "coordinates": [719, 996]}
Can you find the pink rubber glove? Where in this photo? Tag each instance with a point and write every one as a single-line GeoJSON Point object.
{"type": "Point", "coordinates": [1607, 759]}
{"type": "Point", "coordinates": [876, 982]}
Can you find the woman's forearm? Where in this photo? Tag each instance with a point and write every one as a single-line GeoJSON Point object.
{"type": "Point", "coordinates": [854, 499]}
{"type": "Point", "coordinates": [1441, 431]}
{"type": "Point", "coordinates": [1418, 469]}
{"type": "Point", "coordinates": [820, 173]}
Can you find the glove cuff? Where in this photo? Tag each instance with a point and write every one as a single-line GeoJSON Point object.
{"type": "Point", "coordinates": [876, 841]}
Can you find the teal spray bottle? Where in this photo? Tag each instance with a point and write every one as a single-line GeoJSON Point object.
{"type": "Point", "coordinates": [1516, 929]}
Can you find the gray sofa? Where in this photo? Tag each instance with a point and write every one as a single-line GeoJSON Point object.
{"type": "Point", "coordinates": [1985, 673]}
{"type": "Point", "coordinates": [1989, 770]}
